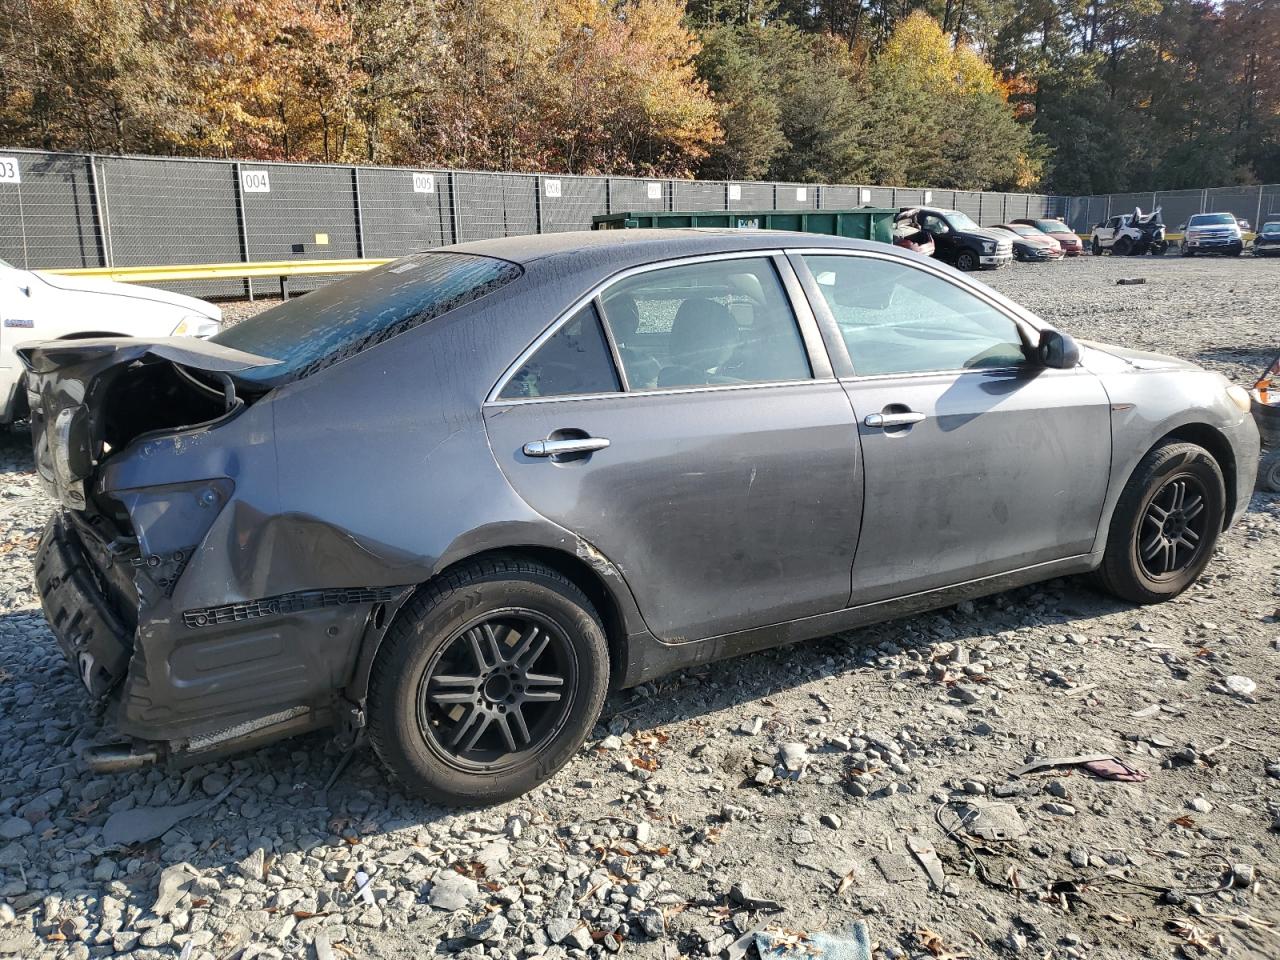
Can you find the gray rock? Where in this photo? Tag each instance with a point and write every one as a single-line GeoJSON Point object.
{"type": "Point", "coordinates": [15, 828]}
{"type": "Point", "coordinates": [452, 891]}
{"type": "Point", "coordinates": [1199, 805]}
{"type": "Point", "coordinates": [830, 820]}
{"type": "Point", "coordinates": [491, 927]}
{"type": "Point", "coordinates": [1059, 809]}
{"type": "Point", "coordinates": [175, 881]}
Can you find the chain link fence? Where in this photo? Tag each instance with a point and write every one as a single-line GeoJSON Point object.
{"type": "Point", "coordinates": [1255, 205]}
{"type": "Point", "coordinates": [80, 210]}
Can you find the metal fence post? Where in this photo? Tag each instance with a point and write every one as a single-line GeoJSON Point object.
{"type": "Point", "coordinates": [1257, 220]}
{"type": "Point", "coordinates": [103, 230]}
{"type": "Point", "coordinates": [453, 205]}
{"type": "Point", "coordinates": [355, 183]}
{"type": "Point", "coordinates": [537, 203]}
{"type": "Point", "coordinates": [244, 226]}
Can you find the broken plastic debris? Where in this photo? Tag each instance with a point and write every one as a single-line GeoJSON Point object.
{"type": "Point", "coordinates": [148, 823]}
{"type": "Point", "coordinates": [1101, 765]}
{"type": "Point", "coordinates": [854, 945]}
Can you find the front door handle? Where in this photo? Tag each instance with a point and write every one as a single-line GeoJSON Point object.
{"type": "Point", "coordinates": [893, 419]}
{"type": "Point", "coordinates": [555, 448]}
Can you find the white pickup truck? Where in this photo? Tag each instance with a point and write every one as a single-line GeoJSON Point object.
{"type": "Point", "coordinates": [47, 306]}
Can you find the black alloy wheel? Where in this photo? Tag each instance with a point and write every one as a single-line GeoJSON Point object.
{"type": "Point", "coordinates": [1172, 535]}
{"type": "Point", "coordinates": [488, 680]}
{"type": "Point", "coordinates": [1165, 525]}
{"type": "Point", "coordinates": [498, 690]}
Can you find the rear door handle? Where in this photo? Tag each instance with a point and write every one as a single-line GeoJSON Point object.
{"type": "Point", "coordinates": [554, 448]}
{"type": "Point", "coordinates": [893, 419]}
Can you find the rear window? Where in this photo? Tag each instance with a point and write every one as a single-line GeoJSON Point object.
{"type": "Point", "coordinates": [346, 318]}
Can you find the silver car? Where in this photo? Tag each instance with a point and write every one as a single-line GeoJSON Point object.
{"type": "Point", "coordinates": [451, 501]}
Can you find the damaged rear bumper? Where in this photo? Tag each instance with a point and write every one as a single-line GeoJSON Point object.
{"type": "Point", "coordinates": [192, 684]}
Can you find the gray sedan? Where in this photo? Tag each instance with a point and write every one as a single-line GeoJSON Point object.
{"type": "Point", "coordinates": [449, 502]}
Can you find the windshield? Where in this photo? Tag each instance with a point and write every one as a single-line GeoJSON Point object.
{"type": "Point", "coordinates": [1053, 226]}
{"type": "Point", "coordinates": [1022, 230]}
{"type": "Point", "coordinates": [338, 321]}
{"type": "Point", "coordinates": [1211, 219]}
{"type": "Point", "coordinates": [960, 221]}
{"type": "Point", "coordinates": [1271, 228]}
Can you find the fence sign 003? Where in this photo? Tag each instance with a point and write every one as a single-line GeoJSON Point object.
{"type": "Point", "coordinates": [255, 181]}
{"type": "Point", "coordinates": [9, 172]}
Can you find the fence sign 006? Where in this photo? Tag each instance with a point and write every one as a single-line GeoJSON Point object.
{"type": "Point", "coordinates": [255, 181]}
{"type": "Point", "coordinates": [9, 172]}
{"type": "Point", "coordinates": [424, 183]}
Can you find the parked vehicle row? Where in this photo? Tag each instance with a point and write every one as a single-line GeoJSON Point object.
{"type": "Point", "coordinates": [954, 238]}
{"type": "Point", "coordinates": [1136, 234]}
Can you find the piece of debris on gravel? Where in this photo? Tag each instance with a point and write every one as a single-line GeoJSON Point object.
{"type": "Point", "coordinates": [858, 790]}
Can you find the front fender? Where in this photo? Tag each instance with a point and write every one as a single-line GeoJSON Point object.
{"type": "Point", "coordinates": [1149, 405]}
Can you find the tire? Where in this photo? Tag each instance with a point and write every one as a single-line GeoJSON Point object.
{"type": "Point", "coordinates": [1095, 248]}
{"type": "Point", "coordinates": [449, 631]}
{"type": "Point", "coordinates": [1159, 249]}
{"type": "Point", "coordinates": [1269, 472]}
{"type": "Point", "coordinates": [1238, 251]}
{"type": "Point", "coordinates": [967, 261]}
{"type": "Point", "coordinates": [1130, 569]}
{"type": "Point", "coordinates": [1122, 247]}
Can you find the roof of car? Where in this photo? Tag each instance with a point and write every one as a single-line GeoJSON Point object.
{"type": "Point", "coordinates": [622, 248]}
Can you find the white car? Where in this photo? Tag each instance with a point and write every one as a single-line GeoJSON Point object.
{"type": "Point", "coordinates": [48, 306]}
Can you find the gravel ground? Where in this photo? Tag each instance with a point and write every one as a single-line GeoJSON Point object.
{"type": "Point", "coordinates": [781, 791]}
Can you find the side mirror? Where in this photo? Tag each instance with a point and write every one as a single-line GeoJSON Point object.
{"type": "Point", "coordinates": [1057, 350]}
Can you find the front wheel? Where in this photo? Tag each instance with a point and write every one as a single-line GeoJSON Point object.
{"type": "Point", "coordinates": [1159, 249]}
{"type": "Point", "coordinates": [1165, 525]}
{"type": "Point", "coordinates": [1095, 248]}
{"type": "Point", "coordinates": [1187, 252]}
{"type": "Point", "coordinates": [488, 682]}
{"type": "Point", "coordinates": [1122, 247]}
{"type": "Point", "coordinates": [967, 261]}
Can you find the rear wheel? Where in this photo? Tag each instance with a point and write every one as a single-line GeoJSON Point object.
{"type": "Point", "coordinates": [1269, 472]}
{"type": "Point", "coordinates": [967, 260]}
{"type": "Point", "coordinates": [488, 682]}
{"type": "Point", "coordinates": [1187, 252]}
{"type": "Point", "coordinates": [1095, 248]}
{"type": "Point", "coordinates": [1165, 525]}
{"type": "Point", "coordinates": [1122, 247]}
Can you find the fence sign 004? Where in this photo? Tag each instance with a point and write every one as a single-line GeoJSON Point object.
{"type": "Point", "coordinates": [424, 183]}
{"type": "Point", "coordinates": [255, 181]}
{"type": "Point", "coordinates": [9, 172]}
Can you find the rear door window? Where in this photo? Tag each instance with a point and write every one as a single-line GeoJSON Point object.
{"type": "Point", "coordinates": [338, 321]}
{"type": "Point", "coordinates": [574, 360]}
{"type": "Point", "coordinates": [703, 324]}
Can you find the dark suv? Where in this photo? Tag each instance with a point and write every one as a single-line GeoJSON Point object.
{"type": "Point", "coordinates": [961, 242]}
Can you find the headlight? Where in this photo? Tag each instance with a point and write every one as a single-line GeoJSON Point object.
{"type": "Point", "coordinates": [988, 246]}
{"type": "Point", "coordinates": [195, 325]}
{"type": "Point", "coordinates": [1240, 397]}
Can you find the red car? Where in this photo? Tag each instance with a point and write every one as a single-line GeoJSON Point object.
{"type": "Point", "coordinates": [1072, 246]}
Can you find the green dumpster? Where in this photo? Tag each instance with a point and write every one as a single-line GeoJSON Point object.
{"type": "Point", "coordinates": [862, 223]}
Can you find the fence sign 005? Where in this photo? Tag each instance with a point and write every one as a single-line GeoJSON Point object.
{"type": "Point", "coordinates": [424, 183]}
{"type": "Point", "coordinates": [9, 172]}
{"type": "Point", "coordinates": [255, 181]}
